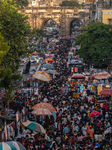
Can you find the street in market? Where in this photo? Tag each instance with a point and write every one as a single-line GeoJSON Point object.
{"type": "Point", "coordinates": [60, 104]}
{"type": "Point", "coordinates": [55, 75]}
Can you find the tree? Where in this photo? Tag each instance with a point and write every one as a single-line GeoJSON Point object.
{"type": "Point", "coordinates": [21, 3]}
{"type": "Point", "coordinates": [95, 44]}
{"type": "Point", "coordinates": [3, 48]}
{"type": "Point", "coordinates": [40, 32]}
{"type": "Point", "coordinates": [15, 30]}
{"type": "Point", "coordinates": [70, 3]}
{"type": "Point", "coordinates": [37, 33]}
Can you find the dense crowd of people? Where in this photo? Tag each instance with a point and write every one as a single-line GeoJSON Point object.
{"type": "Point", "coordinates": [71, 128]}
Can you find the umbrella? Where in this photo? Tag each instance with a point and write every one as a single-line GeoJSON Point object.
{"type": "Point", "coordinates": [48, 66]}
{"type": "Point", "coordinates": [102, 75]}
{"type": "Point", "coordinates": [7, 146]}
{"type": "Point", "coordinates": [44, 73]}
{"type": "Point", "coordinates": [34, 126]}
{"type": "Point", "coordinates": [42, 111]}
{"type": "Point", "coordinates": [41, 75]}
{"type": "Point", "coordinates": [18, 145]}
{"type": "Point", "coordinates": [50, 55]}
{"type": "Point", "coordinates": [44, 105]}
{"type": "Point", "coordinates": [94, 113]}
{"type": "Point", "coordinates": [106, 92]}
{"type": "Point", "coordinates": [78, 76]}
{"type": "Point", "coordinates": [52, 72]}
{"type": "Point", "coordinates": [48, 59]}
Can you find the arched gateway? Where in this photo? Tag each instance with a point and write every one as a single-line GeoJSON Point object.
{"type": "Point", "coordinates": [62, 16]}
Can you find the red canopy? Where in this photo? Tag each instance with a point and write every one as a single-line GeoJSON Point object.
{"type": "Point", "coordinates": [102, 75]}
{"type": "Point", "coordinates": [44, 105]}
{"type": "Point", "coordinates": [106, 92]}
{"type": "Point", "coordinates": [78, 76]}
{"type": "Point", "coordinates": [48, 59]}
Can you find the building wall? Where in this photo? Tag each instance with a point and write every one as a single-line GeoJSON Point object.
{"type": "Point", "coordinates": [107, 16]}
{"type": "Point", "coordinates": [81, 1]}
{"type": "Point", "coordinates": [48, 2]}
{"type": "Point", "coordinates": [108, 1]}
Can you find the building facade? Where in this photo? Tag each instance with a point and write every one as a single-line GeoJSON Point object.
{"type": "Point", "coordinates": [107, 16]}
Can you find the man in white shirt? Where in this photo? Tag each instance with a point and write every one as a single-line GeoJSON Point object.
{"type": "Point", "coordinates": [84, 130]}
{"type": "Point", "coordinates": [45, 99]}
{"type": "Point", "coordinates": [25, 131]}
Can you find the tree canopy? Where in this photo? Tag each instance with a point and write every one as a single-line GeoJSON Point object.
{"type": "Point", "coordinates": [21, 3]}
{"type": "Point", "coordinates": [36, 33]}
{"type": "Point", "coordinates": [15, 30]}
{"type": "Point", "coordinates": [95, 43]}
{"type": "Point", "coordinates": [70, 3]}
{"type": "Point", "coordinates": [3, 48]}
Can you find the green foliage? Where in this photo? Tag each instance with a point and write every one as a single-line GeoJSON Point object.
{"type": "Point", "coordinates": [96, 44]}
{"type": "Point", "coordinates": [22, 3]}
{"type": "Point", "coordinates": [40, 32]}
{"type": "Point", "coordinates": [9, 95]}
{"type": "Point", "coordinates": [3, 48]}
{"type": "Point", "coordinates": [37, 33]}
{"type": "Point", "coordinates": [15, 30]}
{"type": "Point", "coordinates": [70, 3]}
{"type": "Point", "coordinates": [82, 4]}
{"type": "Point", "coordinates": [7, 78]}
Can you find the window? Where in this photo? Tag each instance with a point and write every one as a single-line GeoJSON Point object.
{"type": "Point", "coordinates": [109, 21]}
